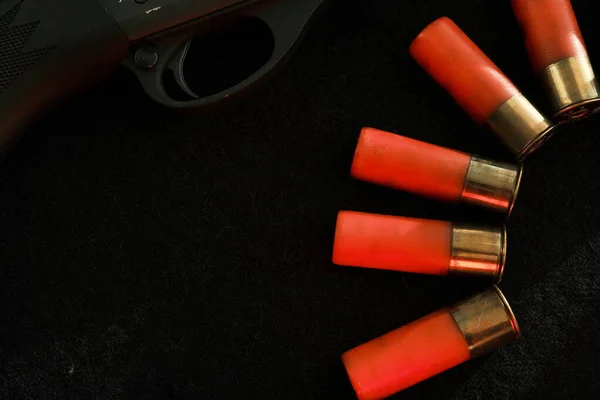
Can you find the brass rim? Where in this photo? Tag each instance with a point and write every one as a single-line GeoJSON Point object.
{"type": "Point", "coordinates": [509, 311]}
{"type": "Point", "coordinates": [516, 191]}
{"type": "Point", "coordinates": [536, 143]}
{"type": "Point", "coordinates": [502, 263]}
{"type": "Point", "coordinates": [563, 116]}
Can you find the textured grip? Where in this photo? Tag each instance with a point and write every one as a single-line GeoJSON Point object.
{"type": "Point", "coordinates": [49, 49]}
{"type": "Point", "coordinates": [12, 42]}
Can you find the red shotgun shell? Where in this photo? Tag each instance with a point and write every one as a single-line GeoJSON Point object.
{"type": "Point", "coordinates": [418, 245]}
{"type": "Point", "coordinates": [407, 164]}
{"type": "Point", "coordinates": [559, 55]}
{"type": "Point", "coordinates": [478, 86]}
{"type": "Point", "coordinates": [431, 345]}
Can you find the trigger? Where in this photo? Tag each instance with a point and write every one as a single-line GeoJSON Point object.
{"type": "Point", "coordinates": [176, 65]}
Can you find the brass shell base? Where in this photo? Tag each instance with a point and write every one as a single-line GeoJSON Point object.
{"type": "Point", "coordinates": [478, 252]}
{"type": "Point", "coordinates": [486, 321]}
{"type": "Point", "coordinates": [573, 88]}
{"type": "Point", "coordinates": [492, 184]}
{"type": "Point", "coordinates": [520, 125]}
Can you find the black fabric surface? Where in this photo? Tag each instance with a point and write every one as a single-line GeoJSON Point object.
{"type": "Point", "coordinates": [151, 255]}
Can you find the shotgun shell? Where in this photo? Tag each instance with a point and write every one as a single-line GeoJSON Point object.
{"type": "Point", "coordinates": [559, 55]}
{"type": "Point", "coordinates": [407, 164]}
{"type": "Point", "coordinates": [431, 345]}
{"type": "Point", "coordinates": [418, 245]}
{"type": "Point", "coordinates": [479, 87]}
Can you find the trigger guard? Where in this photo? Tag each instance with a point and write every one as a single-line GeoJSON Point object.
{"type": "Point", "coordinates": [170, 53]}
{"type": "Point", "coordinates": [288, 22]}
{"type": "Point", "coordinates": [176, 66]}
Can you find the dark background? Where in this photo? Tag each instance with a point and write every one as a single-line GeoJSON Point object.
{"type": "Point", "coordinates": [150, 255]}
